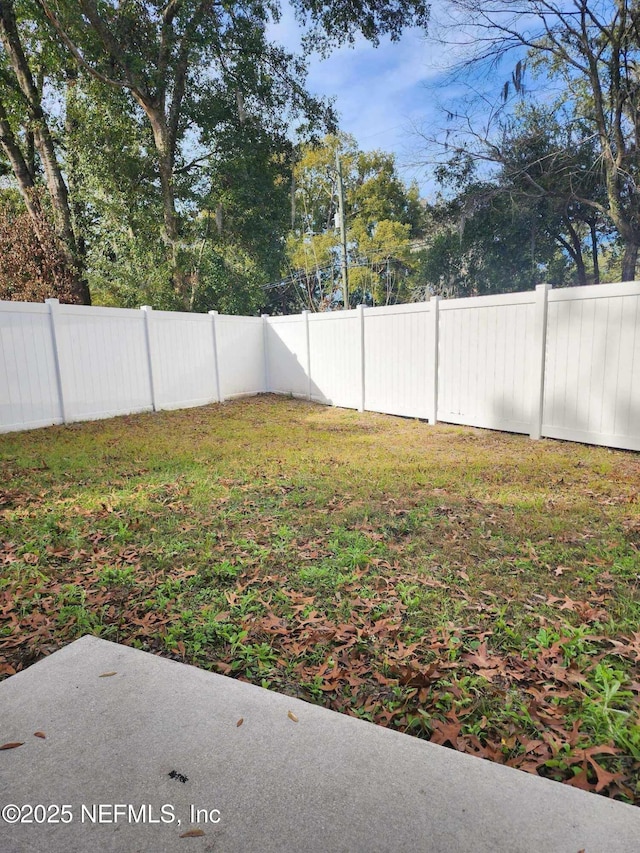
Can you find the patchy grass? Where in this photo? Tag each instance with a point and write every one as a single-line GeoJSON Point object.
{"type": "Point", "coordinates": [473, 588]}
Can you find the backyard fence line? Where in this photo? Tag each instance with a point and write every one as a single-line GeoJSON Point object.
{"type": "Point", "coordinates": [557, 363]}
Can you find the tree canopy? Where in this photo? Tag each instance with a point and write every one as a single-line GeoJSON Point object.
{"type": "Point", "coordinates": [151, 134]}
{"type": "Point", "coordinates": [588, 162]}
{"type": "Point", "coordinates": [382, 215]}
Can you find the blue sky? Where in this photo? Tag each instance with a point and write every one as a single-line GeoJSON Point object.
{"type": "Point", "coordinates": [380, 93]}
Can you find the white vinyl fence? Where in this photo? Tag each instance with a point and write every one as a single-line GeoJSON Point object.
{"type": "Point", "coordinates": [563, 364]}
{"type": "Point", "coordinates": [65, 363]}
{"type": "Point", "coordinates": [592, 367]}
{"type": "Point", "coordinates": [487, 349]}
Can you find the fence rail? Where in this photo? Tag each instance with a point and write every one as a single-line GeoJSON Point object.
{"type": "Point", "coordinates": [563, 364]}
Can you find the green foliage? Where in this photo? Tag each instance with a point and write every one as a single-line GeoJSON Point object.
{"type": "Point", "coordinates": [342, 20]}
{"type": "Point", "coordinates": [488, 237]}
{"type": "Point", "coordinates": [144, 122]}
{"type": "Point", "coordinates": [604, 709]}
{"type": "Point", "coordinates": [382, 215]}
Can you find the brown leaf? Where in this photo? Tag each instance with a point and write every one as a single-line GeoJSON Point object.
{"type": "Point", "coordinates": [292, 716]}
{"type": "Point", "coordinates": [482, 658]}
{"type": "Point", "coordinates": [412, 675]}
{"type": "Point", "coordinates": [489, 674]}
{"type": "Point", "coordinates": [598, 749]}
{"type": "Point", "coordinates": [192, 833]}
{"type": "Point", "coordinates": [604, 776]}
{"type": "Point", "coordinates": [11, 745]}
{"type": "Point", "coordinates": [240, 722]}
{"type": "Point", "coordinates": [581, 781]}
{"type": "Point", "coordinates": [445, 732]}
{"type": "Point", "coordinates": [39, 734]}
{"type": "Point", "coordinates": [107, 674]}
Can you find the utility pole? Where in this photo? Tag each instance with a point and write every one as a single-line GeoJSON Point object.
{"type": "Point", "coordinates": [343, 233]}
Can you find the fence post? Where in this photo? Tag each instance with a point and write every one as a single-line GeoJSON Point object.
{"type": "Point", "coordinates": [147, 337]}
{"type": "Point", "coordinates": [305, 318]}
{"type": "Point", "coordinates": [54, 307]}
{"type": "Point", "coordinates": [216, 360]}
{"type": "Point", "coordinates": [265, 343]}
{"type": "Point", "coordinates": [360, 309]}
{"type": "Point", "coordinates": [538, 358]}
{"type": "Point", "coordinates": [434, 317]}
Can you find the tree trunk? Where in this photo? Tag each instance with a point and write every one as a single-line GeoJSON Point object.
{"type": "Point", "coordinates": [629, 260]}
{"type": "Point", "coordinates": [582, 272]}
{"type": "Point", "coordinates": [170, 216]}
{"type": "Point", "coordinates": [44, 145]}
{"type": "Point", "coordinates": [19, 166]}
{"type": "Point", "coordinates": [77, 208]}
{"type": "Point", "coordinates": [574, 250]}
{"type": "Point", "coordinates": [594, 253]}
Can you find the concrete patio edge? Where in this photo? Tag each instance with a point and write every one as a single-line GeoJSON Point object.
{"type": "Point", "coordinates": [142, 750]}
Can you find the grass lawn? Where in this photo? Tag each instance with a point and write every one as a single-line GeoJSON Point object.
{"type": "Point", "coordinates": [473, 588]}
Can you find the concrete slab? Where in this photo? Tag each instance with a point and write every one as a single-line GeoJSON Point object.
{"type": "Point", "coordinates": [133, 754]}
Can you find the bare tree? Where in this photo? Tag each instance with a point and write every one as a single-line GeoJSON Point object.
{"type": "Point", "coordinates": [593, 48]}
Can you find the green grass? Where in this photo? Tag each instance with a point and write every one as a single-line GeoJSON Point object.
{"type": "Point", "coordinates": [474, 588]}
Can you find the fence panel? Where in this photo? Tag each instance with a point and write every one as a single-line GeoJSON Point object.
{"type": "Point", "coordinates": [287, 355]}
{"type": "Point", "coordinates": [241, 355]}
{"type": "Point", "coordinates": [335, 347]}
{"type": "Point", "coordinates": [399, 360]}
{"type": "Point", "coordinates": [29, 395]}
{"type": "Point", "coordinates": [592, 372]}
{"type": "Point", "coordinates": [484, 362]}
{"type": "Point", "coordinates": [103, 361]}
{"type": "Point", "coordinates": [183, 358]}
{"type": "Point", "coordinates": [496, 358]}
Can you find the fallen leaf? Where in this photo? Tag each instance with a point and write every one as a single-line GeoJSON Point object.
{"type": "Point", "coordinates": [292, 716]}
{"type": "Point", "coordinates": [12, 745]}
{"type": "Point", "coordinates": [442, 733]}
{"type": "Point", "coordinates": [39, 734]}
{"type": "Point", "coordinates": [604, 776]}
{"type": "Point", "coordinates": [412, 675]}
{"type": "Point", "coordinates": [192, 833]}
{"type": "Point", "coordinates": [581, 781]}
{"type": "Point", "coordinates": [482, 658]}
{"type": "Point", "coordinates": [240, 722]}
{"type": "Point", "coordinates": [107, 674]}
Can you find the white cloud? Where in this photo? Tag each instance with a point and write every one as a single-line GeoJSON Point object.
{"type": "Point", "coordinates": [381, 93]}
